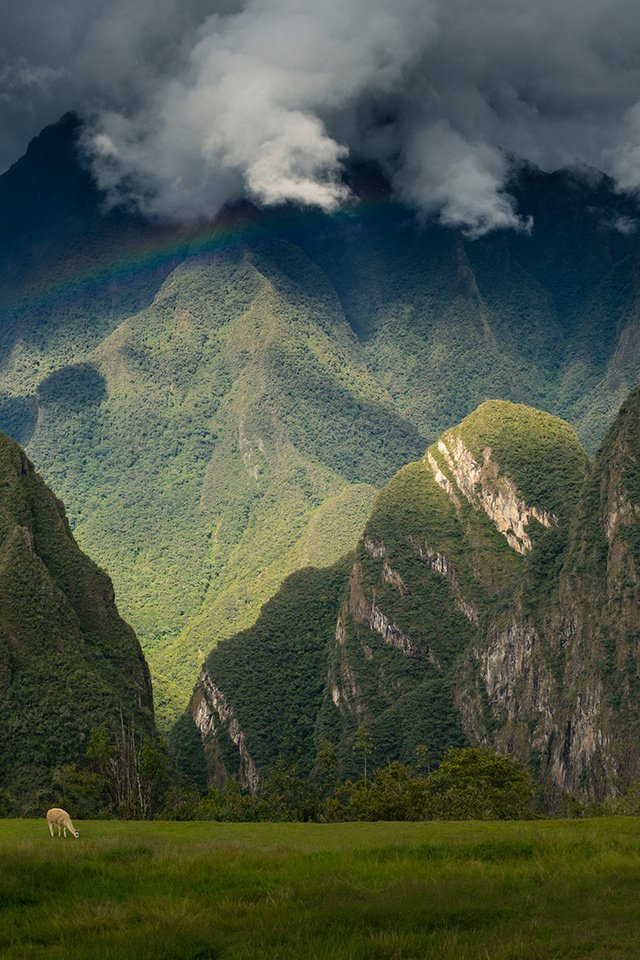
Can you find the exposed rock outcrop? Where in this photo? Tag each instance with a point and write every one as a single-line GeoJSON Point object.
{"type": "Point", "coordinates": [345, 693]}
{"type": "Point", "coordinates": [440, 564]}
{"type": "Point", "coordinates": [484, 486]}
{"type": "Point", "coordinates": [211, 709]}
{"type": "Point", "coordinates": [366, 610]}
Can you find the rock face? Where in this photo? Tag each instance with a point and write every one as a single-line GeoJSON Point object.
{"type": "Point", "coordinates": [68, 663]}
{"type": "Point", "coordinates": [485, 487]}
{"type": "Point", "coordinates": [211, 709]}
{"type": "Point", "coordinates": [595, 626]}
{"type": "Point", "coordinates": [494, 598]}
{"type": "Point", "coordinates": [564, 684]}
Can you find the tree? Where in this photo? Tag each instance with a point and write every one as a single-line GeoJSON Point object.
{"type": "Point", "coordinates": [326, 765]}
{"type": "Point", "coordinates": [83, 791]}
{"type": "Point", "coordinates": [363, 744]}
{"type": "Point", "coordinates": [423, 764]}
{"type": "Point", "coordinates": [475, 783]}
{"type": "Point", "coordinates": [8, 804]}
{"type": "Point", "coordinates": [187, 751]}
{"type": "Point", "coordinates": [288, 795]}
{"type": "Point", "coordinates": [133, 768]}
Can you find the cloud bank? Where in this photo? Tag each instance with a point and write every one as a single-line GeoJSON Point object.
{"type": "Point", "coordinates": [191, 104]}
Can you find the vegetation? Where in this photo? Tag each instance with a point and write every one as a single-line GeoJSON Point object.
{"type": "Point", "coordinates": [197, 472]}
{"type": "Point", "coordinates": [68, 663]}
{"type": "Point", "coordinates": [217, 408]}
{"type": "Point", "coordinates": [441, 627]}
{"type": "Point", "coordinates": [469, 784]}
{"type": "Point", "coordinates": [458, 891]}
{"type": "Point", "coordinates": [275, 673]}
{"type": "Point", "coordinates": [570, 601]}
{"type": "Point", "coordinates": [408, 700]}
{"type": "Point", "coordinates": [540, 453]}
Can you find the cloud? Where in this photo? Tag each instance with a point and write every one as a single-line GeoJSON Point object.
{"type": "Point", "coordinates": [196, 103]}
{"type": "Point", "coordinates": [459, 181]}
{"type": "Point", "coordinates": [624, 157]}
{"type": "Point", "coordinates": [18, 77]}
{"type": "Point", "coordinates": [625, 225]}
{"type": "Point", "coordinates": [252, 109]}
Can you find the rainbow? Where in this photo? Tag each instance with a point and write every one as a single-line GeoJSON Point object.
{"type": "Point", "coordinates": [135, 253]}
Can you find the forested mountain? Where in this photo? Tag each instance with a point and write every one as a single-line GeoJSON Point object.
{"type": "Point", "coordinates": [493, 598]}
{"type": "Point", "coordinates": [68, 663]}
{"type": "Point", "coordinates": [218, 404]}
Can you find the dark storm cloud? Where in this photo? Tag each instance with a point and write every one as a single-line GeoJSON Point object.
{"type": "Point", "coordinates": [193, 103]}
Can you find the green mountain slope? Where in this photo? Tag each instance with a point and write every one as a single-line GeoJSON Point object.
{"type": "Point", "coordinates": [452, 542]}
{"type": "Point", "coordinates": [194, 440]}
{"type": "Point", "coordinates": [68, 663]}
{"type": "Point", "coordinates": [493, 598]}
{"type": "Point", "coordinates": [275, 676]}
{"type": "Point", "coordinates": [445, 324]}
{"type": "Point", "coordinates": [218, 404]}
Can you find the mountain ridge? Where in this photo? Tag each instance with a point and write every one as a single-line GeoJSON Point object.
{"type": "Point", "coordinates": [144, 365]}
{"type": "Point", "coordinates": [68, 662]}
{"type": "Point", "coordinates": [492, 599]}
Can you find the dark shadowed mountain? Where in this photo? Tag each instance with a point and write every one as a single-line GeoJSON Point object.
{"type": "Point", "coordinates": [68, 662]}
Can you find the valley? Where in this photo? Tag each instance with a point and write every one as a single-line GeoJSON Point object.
{"type": "Point", "coordinates": [230, 409]}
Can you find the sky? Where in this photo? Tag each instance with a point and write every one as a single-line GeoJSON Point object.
{"type": "Point", "coordinates": [190, 104]}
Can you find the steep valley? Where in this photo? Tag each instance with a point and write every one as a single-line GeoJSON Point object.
{"type": "Point", "coordinates": [218, 405]}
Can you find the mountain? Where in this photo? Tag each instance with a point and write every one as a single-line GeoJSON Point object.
{"type": "Point", "coordinates": [493, 598]}
{"type": "Point", "coordinates": [219, 403]}
{"type": "Point", "coordinates": [272, 676]}
{"type": "Point", "coordinates": [68, 662]}
{"type": "Point", "coordinates": [595, 624]}
{"type": "Point", "coordinates": [547, 318]}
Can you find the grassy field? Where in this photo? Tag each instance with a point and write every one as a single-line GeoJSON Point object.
{"type": "Point", "coordinates": [360, 891]}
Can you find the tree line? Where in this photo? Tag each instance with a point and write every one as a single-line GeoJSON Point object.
{"type": "Point", "coordinates": [129, 777]}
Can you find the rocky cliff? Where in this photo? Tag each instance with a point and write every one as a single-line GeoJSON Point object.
{"type": "Point", "coordinates": [493, 598]}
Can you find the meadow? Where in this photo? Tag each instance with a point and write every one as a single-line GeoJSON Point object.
{"type": "Point", "coordinates": [351, 891]}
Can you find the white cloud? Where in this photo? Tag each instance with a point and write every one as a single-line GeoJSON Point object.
{"type": "Point", "coordinates": [252, 106]}
{"type": "Point", "coordinates": [193, 103]}
{"type": "Point", "coordinates": [459, 181]}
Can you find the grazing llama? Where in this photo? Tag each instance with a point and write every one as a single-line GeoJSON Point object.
{"type": "Point", "coordinates": [62, 821]}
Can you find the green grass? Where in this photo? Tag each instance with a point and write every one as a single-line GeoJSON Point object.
{"type": "Point", "coordinates": [504, 891]}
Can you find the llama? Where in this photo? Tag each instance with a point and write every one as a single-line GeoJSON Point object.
{"type": "Point", "coordinates": [62, 821]}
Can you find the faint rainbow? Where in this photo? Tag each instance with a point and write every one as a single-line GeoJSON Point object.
{"type": "Point", "coordinates": [143, 251]}
{"type": "Point", "coordinates": [132, 255]}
